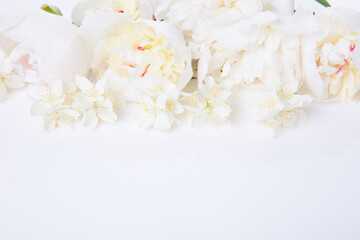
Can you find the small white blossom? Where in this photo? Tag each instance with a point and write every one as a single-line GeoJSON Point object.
{"type": "Point", "coordinates": [96, 102]}
{"type": "Point", "coordinates": [282, 107]}
{"type": "Point", "coordinates": [209, 104]}
{"type": "Point", "coordinates": [53, 103]}
{"type": "Point", "coordinates": [159, 105]}
{"type": "Point", "coordinates": [9, 79]}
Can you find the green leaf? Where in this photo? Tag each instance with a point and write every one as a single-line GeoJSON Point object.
{"type": "Point", "coordinates": [51, 9]}
{"type": "Point", "coordinates": [323, 2]}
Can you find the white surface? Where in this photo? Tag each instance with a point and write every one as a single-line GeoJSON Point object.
{"type": "Point", "coordinates": [232, 183]}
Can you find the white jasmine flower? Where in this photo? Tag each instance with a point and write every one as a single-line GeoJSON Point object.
{"type": "Point", "coordinates": [209, 105]}
{"type": "Point", "coordinates": [9, 79]}
{"type": "Point", "coordinates": [96, 101]}
{"type": "Point", "coordinates": [160, 105]}
{"type": "Point", "coordinates": [282, 107]}
{"type": "Point", "coordinates": [43, 47]}
{"type": "Point", "coordinates": [135, 9]}
{"type": "Point", "coordinates": [329, 69]}
{"type": "Point", "coordinates": [53, 103]}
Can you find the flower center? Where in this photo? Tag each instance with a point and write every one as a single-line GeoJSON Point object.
{"type": "Point", "coordinates": [48, 96]}
{"type": "Point", "coordinates": [148, 107]}
{"type": "Point", "coordinates": [69, 98]}
{"type": "Point", "coordinates": [215, 91]}
{"type": "Point", "coordinates": [269, 102]}
{"type": "Point", "coordinates": [144, 44]}
{"type": "Point", "coordinates": [92, 93]}
{"type": "Point", "coordinates": [171, 105]}
{"type": "Point", "coordinates": [285, 93]}
{"type": "Point", "coordinates": [333, 59]}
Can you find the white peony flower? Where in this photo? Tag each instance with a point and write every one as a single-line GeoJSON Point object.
{"type": "Point", "coordinates": [54, 104]}
{"type": "Point", "coordinates": [238, 44]}
{"type": "Point", "coordinates": [150, 58]}
{"type": "Point", "coordinates": [138, 49]}
{"type": "Point", "coordinates": [9, 79]}
{"type": "Point", "coordinates": [243, 51]}
{"type": "Point", "coordinates": [208, 105]}
{"type": "Point", "coordinates": [135, 9]}
{"type": "Point", "coordinates": [262, 52]}
{"type": "Point", "coordinates": [258, 51]}
{"type": "Point", "coordinates": [43, 47]}
{"type": "Point", "coordinates": [329, 69]}
{"type": "Point", "coordinates": [96, 102]}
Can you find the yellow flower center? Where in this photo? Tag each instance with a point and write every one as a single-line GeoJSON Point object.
{"type": "Point", "coordinates": [269, 102]}
{"type": "Point", "coordinates": [142, 41]}
{"type": "Point", "coordinates": [171, 105]}
{"type": "Point", "coordinates": [92, 93]}
{"type": "Point", "coordinates": [48, 96]}
{"type": "Point", "coordinates": [286, 93]}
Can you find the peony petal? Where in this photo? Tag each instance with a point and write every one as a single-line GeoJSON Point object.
{"type": "Point", "coordinates": [175, 38]}
{"type": "Point", "coordinates": [10, 19]}
{"type": "Point", "coordinates": [98, 25]}
{"type": "Point", "coordinates": [349, 16]}
{"type": "Point", "coordinates": [203, 65]}
{"type": "Point", "coordinates": [244, 32]}
{"type": "Point", "coordinates": [311, 73]}
{"type": "Point", "coordinates": [145, 9]}
{"type": "Point", "coordinates": [55, 36]}
{"type": "Point", "coordinates": [187, 74]}
{"type": "Point", "coordinates": [285, 7]}
{"type": "Point", "coordinates": [161, 8]}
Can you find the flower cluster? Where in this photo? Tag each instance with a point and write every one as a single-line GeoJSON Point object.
{"type": "Point", "coordinates": [61, 102]}
{"type": "Point", "coordinates": [173, 59]}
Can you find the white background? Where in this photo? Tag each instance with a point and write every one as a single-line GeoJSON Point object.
{"type": "Point", "coordinates": [231, 183]}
